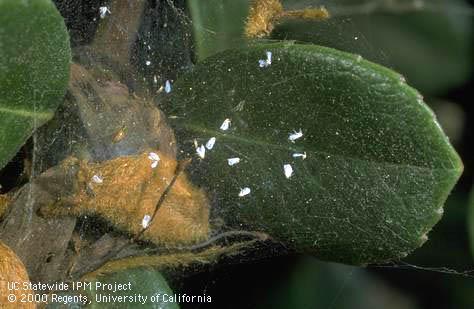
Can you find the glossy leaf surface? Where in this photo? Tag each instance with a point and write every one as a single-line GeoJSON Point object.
{"type": "Point", "coordinates": [378, 166]}
{"type": "Point", "coordinates": [34, 69]}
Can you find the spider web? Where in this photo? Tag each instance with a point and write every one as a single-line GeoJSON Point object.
{"type": "Point", "coordinates": [174, 53]}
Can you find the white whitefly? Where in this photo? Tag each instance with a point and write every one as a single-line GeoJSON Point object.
{"type": "Point", "coordinates": [210, 143]}
{"type": "Point", "coordinates": [295, 135]}
{"type": "Point", "coordinates": [167, 86]}
{"type": "Point", "coordinates": [225, 125]}
{"type": "Point", "coordinates": [288, 170]}
{"type": "Point", "coordinates": [244, 191]}
{"type": "Point", "coordinates": [201, 151]}
{"type": "Point", "coordinates": [148, 62]}
{"type": "Point", "coordinates": [153, 156]}
{"type": "Point", "coordinates": [269, 57]}
{"type": "Point", "coordinates": [97, 179]}
{"type": "Point", "coordinates": [103, 10]}
{"type": "Point", "coordinates": [233, 161]}
{"type": "Point", "coordinates": [146, 221]}
{"type": "Point", "coordinates": [262, 63]}
{"type": "Point", "coordinates": [300, 155]}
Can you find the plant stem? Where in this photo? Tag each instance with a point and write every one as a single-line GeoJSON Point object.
{"type": "Point", "coordinates": [118, 31]}
{"type": "Point", "coordinates": [169, 261]}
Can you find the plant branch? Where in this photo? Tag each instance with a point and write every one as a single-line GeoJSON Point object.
{"type": "Point", "coordinates": [170, 261]}
{"type": "Point", "coordinates": [118, 31]}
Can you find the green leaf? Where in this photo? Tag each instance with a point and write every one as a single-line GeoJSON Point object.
{"type": "Point", "coordinates": [128, 288]}
{"type": "Point", "coordinates": [447, 237]}
{"type": "Point", "coordinates": [146, 282]}
{"type": "Point", "coordinates": [431, 47]}
{"type": "Point", "coordinates": [314, 284]}
{"type": "Point", "coordinates": [217, 24]}
{"type": "Point", "coordinates": [34, 69]}
{"type": "Point", "coordinates": [378, 166]}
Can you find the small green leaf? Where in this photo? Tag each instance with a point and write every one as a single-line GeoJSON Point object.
{"type": "Point", "coordinates": [378, 166]}
{"type": "Point", "coordinates": [129, 288]}
{"type": "Point", "coordinates": [146, 282]}
{"type": "Point", "coordinates": [314, 284]}
{"type": "Point", "coordinates": [34, 69]}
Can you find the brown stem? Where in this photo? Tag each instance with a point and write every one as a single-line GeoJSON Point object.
{"type": "Point", "coordinates": [118, 30]}
{"type": "Point", "coordinates": [170, 261]}
{"type": "Point", "coordinates": [308, 13]}
{"type": "Point", "coordinates": [4, 203]}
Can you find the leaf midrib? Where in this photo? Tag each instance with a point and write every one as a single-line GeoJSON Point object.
{"type": "Point", "coordinates": [258, 142]}
{"type": "Point", "coordinates": [27, 114]}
